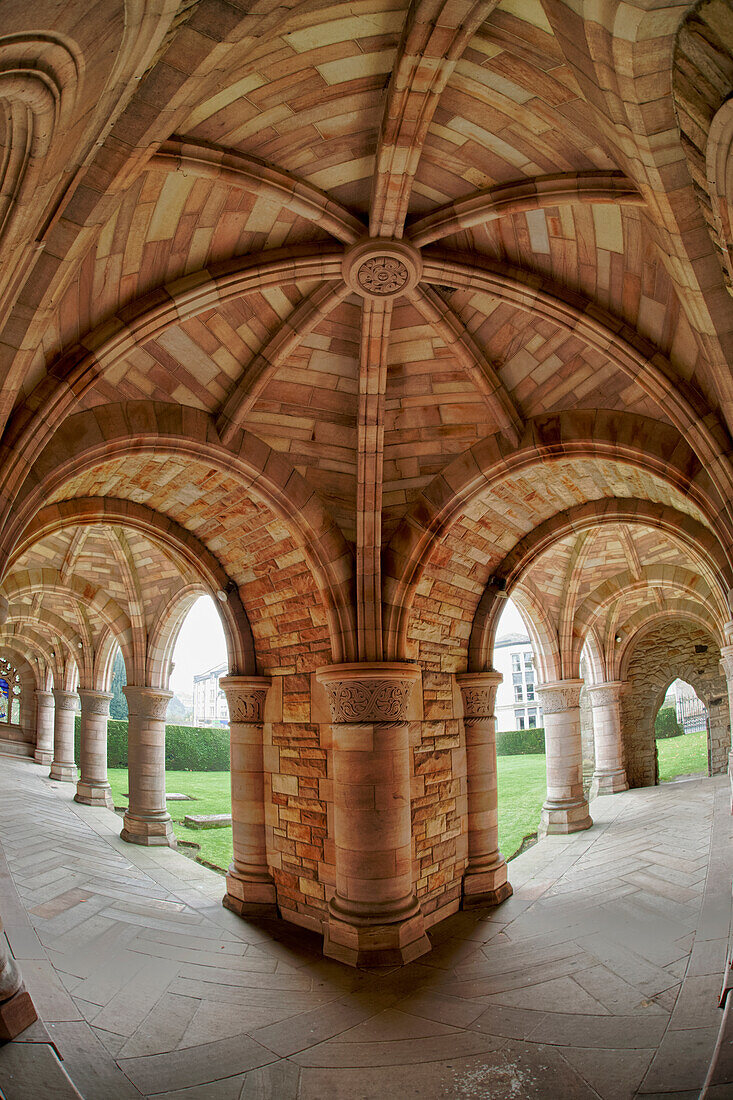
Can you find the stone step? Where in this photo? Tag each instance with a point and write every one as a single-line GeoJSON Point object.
{"type": "Point", "coordinates": [16, 748]}
{"type": "Point", "coordinates": [207, 821]}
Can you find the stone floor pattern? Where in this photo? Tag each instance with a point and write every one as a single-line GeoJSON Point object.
{"type": "Point", "coordinates": [599, 978]}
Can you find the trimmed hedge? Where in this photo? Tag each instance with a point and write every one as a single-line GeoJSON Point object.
{"type": "Point", "coordinates": [187, 748]}
{"type": "Point", "coordinates": [666, 724]}
{"type": "Point", "coordinates": [520, 742]}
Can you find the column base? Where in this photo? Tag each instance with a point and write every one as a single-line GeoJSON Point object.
{"type": "Point", "coordinates": [63, 773]}
{"type": "Point", "coordinates": [41, 756]}
{"type": "Point", "coordinates": [16, 1014]}
{"type": "Point", "coordinates": [485, 888]}
{"type": "Point", "coordinates": [94, 794]}
{"type": "Point", "coordinates": [608, 783]}
{"type": "Point", "coordinates": [251, 897]}
{"type": "Point", "coordinates": [559, 819]}
{"type": "Point", "coordinates": [151, 832]}
{"type": "Point", "coordinates": [358, 943]}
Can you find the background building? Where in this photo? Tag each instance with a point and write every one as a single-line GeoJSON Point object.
{"type": "Point", "coordinates": [209, 701]}
{"type": "Point", "coordinates": [517, 707]}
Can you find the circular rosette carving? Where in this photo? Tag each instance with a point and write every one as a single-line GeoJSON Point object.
{"type": "Point", "coordinates": [382, 268]}
{"type": "Point", "coordinates": [382, 275]}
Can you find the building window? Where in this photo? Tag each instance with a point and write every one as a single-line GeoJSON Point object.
{"type": "Point", "coordinates": [516, 677]}
{"type": "Point", "coordinates": [532, 719]}
{"type": "Point", "coordinates": [530, 693]}
{"type": "Point", "coordinates": [516, 663]}
{"type": "Point", "coordinates": [519, 719]}
{"type": "Point", "coordinates": [518, 696]}
{"type": "Point", "coordinates": [528, 659]}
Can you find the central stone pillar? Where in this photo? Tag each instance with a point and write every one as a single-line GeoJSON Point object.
{"type": "Point", "coordinates": [374, 917]}
{"type": "Point", "coordinates": [609, 775]}
{"type": "Point", "coordinates": [44, 727]}
{"type": "Point", "coordinates": [63, 767]}
{"type": "Point", "coordinates": [726, 662]}
{"type": "Point", "coordinates": [147, 820]}
{"type": "Point", "coordinates": [93, 787]}
{"type": "Point", "coordinates": [566, 807]}
{"type": "Point", "coordinates": [485, 878]}
{"type": "Point", "coordinates": [250, 885]}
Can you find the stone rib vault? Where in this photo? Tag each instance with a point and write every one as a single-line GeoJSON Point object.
{"type": "Point", "coordinates": [360, 318]}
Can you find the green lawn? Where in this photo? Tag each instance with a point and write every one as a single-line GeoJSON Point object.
{"type": "Point", "coordinates": [522, 789]}
{"type": "Point", "coordinates": [682, 755]}
{"type": "Point", "coordinates": [522, 784]}
{"type": "Point", "coordinates": [212, 792]}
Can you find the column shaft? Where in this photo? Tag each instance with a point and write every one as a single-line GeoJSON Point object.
{"type": "Point", "coordinates": [374, 916]}
{"type": "Point", "coordinates": [147, 820]}
{"type": "Point", "coordinates": [16, 1007]}
{"type": "Point", "coordinates": [726, 661]}
{"type": "Point", "coordinates": [93, 787]}
{"type": "Point", "coordinates": [566, 807]}
{"type": "Point", "coordinates": [250, 885]}
{"type": "Point", "coordinates": [485, 878]}
{"type": "Point", "coordinates": [44, 727]}
{"type": "Point", "coordinates": [63, 767]}
{"type": "Point", "coordinates": [609, 775]}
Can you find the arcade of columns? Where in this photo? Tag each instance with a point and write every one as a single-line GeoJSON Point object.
{"type": "Point", "coordinates": [359, 322]}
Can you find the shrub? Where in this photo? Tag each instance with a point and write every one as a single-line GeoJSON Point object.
{"type": "Point", "coordinates": [520, 742]}
{"type": "Point", "coordinates": [666, 724]}
{"type": "Point", "coordinates": [187, 748]}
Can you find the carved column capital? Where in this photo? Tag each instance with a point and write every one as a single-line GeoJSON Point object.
{"type": "Point", "coordinates": [95, 702]}
{"type": "Point", "coordinates": [147, 702]}
{"type": "Point", "coordinates": [246, 697]}
{"type": "Point", "coordinates": [603, 695]}
{"type": "Point", "coordinates": [43, 698]}
{"type": "Point", "coordinates": [367, 693]}
{"type": "Point", "coordinates": [559, 695]}
{"type": "Point", "coordinates": [478, 690]}
{"type": "Point", "coordinates": [65, 700]}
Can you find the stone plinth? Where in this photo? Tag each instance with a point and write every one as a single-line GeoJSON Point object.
{"type": "Point", "coordinates": [44, 727]}
{"type": "Point", "coordinates": [93, 787]}
{"type": "Point", "coordinates": [566, 808]}
{"type": "Point", "coordinates": [63, 767]}
{"type": "Point", "coordinates": [146, 820]}
{"type": "Point", "coordinates": [609, 776]}
{"type": "Point", "coordinates": [250, 885]}
{"type": "Point", "coordinates": [485, 878]}
{"type": "Point", "coordinates": [374, 917]}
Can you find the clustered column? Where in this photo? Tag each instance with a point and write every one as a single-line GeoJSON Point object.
{"type": "Point", "coordinates": [250, 885]}
{"type": "Point", "coordinates": [93, 787]}
{"type": "Point", "coordinates": [566, 807]}
{"type": "Point", "coordinates": [146, 820]}
{"type": "Point", "coordinates": [726, 661]}
{"type": "Point", "coordinates": [63, 767]}
{"type": "Point", "coordinates": [16, 1007]}
{"type": "Point", "coordinates": [374, 917]}
{"type": "Point", "coordinates": [44, 727]}
{"type": "Point", "coordinates": [485, 879]}
{"type": "Point", "coordinates": [609, 775]}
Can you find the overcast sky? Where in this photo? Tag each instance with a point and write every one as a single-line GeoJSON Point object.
{"type": "Point", "coordinates": [201, 644]}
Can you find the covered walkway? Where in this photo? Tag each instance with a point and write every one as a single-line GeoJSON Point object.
{"type": "Point", "coordinates": [599, 978]}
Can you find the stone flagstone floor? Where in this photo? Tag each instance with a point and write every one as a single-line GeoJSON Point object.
{"type": "Point", "coordinates": [599, 978]}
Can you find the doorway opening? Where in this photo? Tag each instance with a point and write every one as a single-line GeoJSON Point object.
{"type": "Point", "coordinates": [681, 732]}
